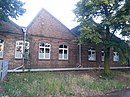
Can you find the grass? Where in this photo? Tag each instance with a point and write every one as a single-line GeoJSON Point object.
{"type": "Point", "coordinates": [55, 84]}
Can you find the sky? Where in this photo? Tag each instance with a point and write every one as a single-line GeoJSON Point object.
{"type": "Point", "coordinates": [60, 9]}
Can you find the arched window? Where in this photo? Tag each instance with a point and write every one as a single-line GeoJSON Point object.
{"type": "Point", "coordinates": [63, 52]}
{"type": "Point", "coordinates": [19, 50]}
{"type": "Point", "coordinates": [115, 56]}
{"type": "Point", "coordinates": [91, 54]}
{"type": "Point", "coordinates": [44, 50]}
{"type": "Point", "coordinates": [1, 48]}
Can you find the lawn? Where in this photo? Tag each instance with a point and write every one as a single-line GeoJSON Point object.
{"type": "Point", "coordinates": [62, 84]}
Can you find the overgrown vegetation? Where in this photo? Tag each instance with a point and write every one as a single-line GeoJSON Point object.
{"type": "Point", "coordinates": [100, 21]}
{"type": "Point", "coordinates": [56, 84]}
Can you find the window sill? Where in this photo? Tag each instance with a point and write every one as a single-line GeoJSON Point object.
{"type": "Point", "coordinates": [63, 59]}
{"type": "Point", "coordinates": [18, 58]}
{"type": "Point", "coordinates": [92, 60]}
{"type": "Point", "coordinates": [44, 59]}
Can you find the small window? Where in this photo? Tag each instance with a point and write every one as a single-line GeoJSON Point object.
{"type": "Point", "coordinates": [91, 55]}
{"type": "Point", "coordinates": [63, 52]}
{"type": "Point", "coordinates": [102, 55]}
{"type": "Point", "coordinates": [115, 56]}
{"type": "Point", "coordinates": [1, 48]}
{"type": "Point", "coordinates": [19, 49]}
{"type": "Point", "coordinates": [44, 51]}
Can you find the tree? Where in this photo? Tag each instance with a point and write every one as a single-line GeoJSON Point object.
{"type": "Point", "coordinates": [114, 16]}
{"type": "Point", "coordinates": [11, 8]}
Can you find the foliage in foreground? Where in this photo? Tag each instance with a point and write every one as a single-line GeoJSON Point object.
{"type": "Point", "coordinates": [56, 84]}
{"type": "Point", "coordinates": [11, 8]}
{"type": "Point", "coordinates": [100, 21]}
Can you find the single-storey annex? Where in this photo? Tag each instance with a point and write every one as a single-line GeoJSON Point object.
{"type": "Point", "coordinates": [49, 44]}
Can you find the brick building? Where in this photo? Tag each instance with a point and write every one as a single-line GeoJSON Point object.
{"type": "Point", "coordinates": [49, 44]}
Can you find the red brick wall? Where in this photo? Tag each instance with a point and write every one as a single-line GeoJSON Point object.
{"type": "Point", "coordinates": [9, 48]}
{"type": "Point", "coordinates": [46, 28]}
{"type": "Point", "coordinates": [53, 61]}
{"type": "Point", "coordinates": [46, 25]}
{"type": "Point", "coordinates": [98, 62]}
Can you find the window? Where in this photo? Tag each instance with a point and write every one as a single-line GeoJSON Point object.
{"type": "Point", "coordinates": [102, 55]}
{"type": "Point", "coordinates": [91, 55]}
{"type": "Point", "coordinates": [19, 49]}
{"type": "Point", "coordinates": [63, 52]}
{"type": "Point", "coordinates": [1, 48]}
{"type": "Point", "coordinates": [115, 56]}
{"type": "Point", "coordinates": [44, 51]}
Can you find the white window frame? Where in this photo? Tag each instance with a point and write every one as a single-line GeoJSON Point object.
{"type": "Point", "coordinates": [20, 43]}
{"type": "Point", "coordinates": [92, 54]}
{"type": "Point", "coordinates": [1, 48]}
{"type": "Point", "coordinates": [115, 56]}
{"type": "Point", "coordinates": [62, 56]}
{"type": "Point", "coordinates": [44, 54]}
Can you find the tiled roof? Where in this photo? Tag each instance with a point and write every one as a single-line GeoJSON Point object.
{"type": "Point", "coordinates": [76, 31]}
{"type": "Point", "coordinates": [9, 26]}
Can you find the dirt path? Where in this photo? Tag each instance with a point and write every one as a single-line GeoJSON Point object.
{"type": "Point", "coordinates": [123, 93]}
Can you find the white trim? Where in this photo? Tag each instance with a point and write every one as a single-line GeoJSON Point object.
{"type": "Point", "coordinates": [44, 52]}
{"type": "Point", "coordinates": [2, 48]}
{"type": "Point", "coordinates": [92, 57]}
{"type": "Point", "coordinates": [115, 56]}
{"type": "Point", "coordinates": [19, 43]}
{"type": "Point", "coordinates": [63, 54]}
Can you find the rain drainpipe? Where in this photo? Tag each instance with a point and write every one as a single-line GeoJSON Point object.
{"type": "Point", "coordinates": [24, 30]}
{"type": "Point", "coordinates": [80, 62]}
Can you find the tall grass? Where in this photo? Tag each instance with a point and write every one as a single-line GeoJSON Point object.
{"type": "Point", "coordinates": [103, 85]}
{"type": "Point", "coordinates": [55, 84]}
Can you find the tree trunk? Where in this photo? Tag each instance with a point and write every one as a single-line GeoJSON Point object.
{"type": "Point", "coordinates": [107, 62]}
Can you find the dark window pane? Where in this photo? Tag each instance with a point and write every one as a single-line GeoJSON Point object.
{"type": "Point", "coordinates": [47, 50]}
{"type": "Point", "coordinates": [19, 49]}
{"type": "Point", "coordinates": [1, 48]}
{"type": "Point", "coordinates": [103, 54]}
{"type": "Point", "coordinates": [89, 53]}
{"type": "Point", "coordinates": [41, 50]}
{"type": "Point", "coordinates": [26, 44]}
{"type": "Point", "coordinates": [42, 44]}
{"type": "Point", "coordinates": [65, 46]}
{"type": "Point", "coordinates": [20, 43]}
{"type": "Point", "coordinates": [47, 45]}
{"type": "Point", "coordinates": [1, 41]}
{"type": "Point", "coordinates": [60, 51]}
{"type": "Point", "coordinates": [26, 50]}
{"type": "Point", "coordinates": [61, 46]}
{"type": "Point", "coordinates": [65, 51]}
{"type": "Point", "coordinates": [93, 52]}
